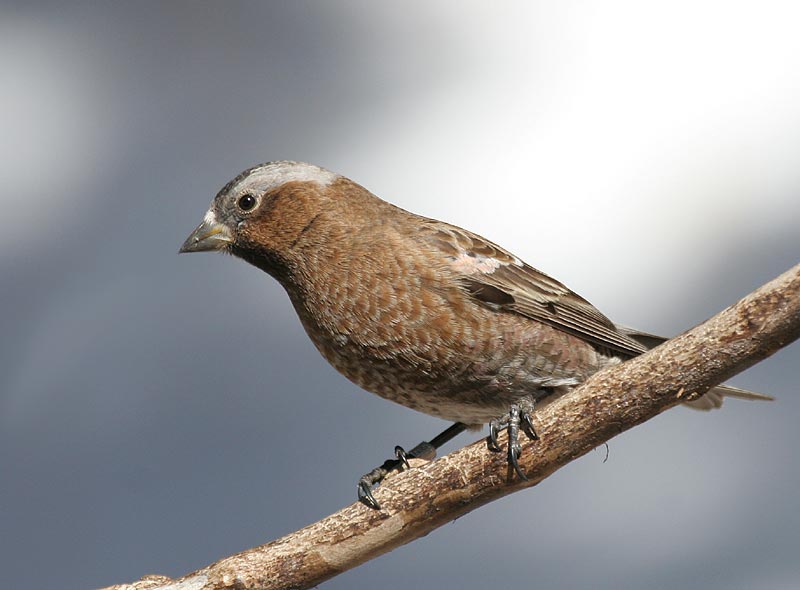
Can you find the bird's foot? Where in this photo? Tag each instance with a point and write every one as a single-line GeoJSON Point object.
{"type": "Point", "coordinates": [519, 416]}
{"type": "Point", "coordinates": [424, 450]}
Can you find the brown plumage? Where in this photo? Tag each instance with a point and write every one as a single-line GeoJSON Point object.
{"type": "Point", "coordinates": [418, 311]}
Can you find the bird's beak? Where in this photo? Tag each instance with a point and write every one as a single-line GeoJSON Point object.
{"type": "Point", "coordinates": [209, 235]}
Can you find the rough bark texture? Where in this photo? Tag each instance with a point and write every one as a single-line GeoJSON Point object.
{"type": "Point", "coordinates": [418, 501]}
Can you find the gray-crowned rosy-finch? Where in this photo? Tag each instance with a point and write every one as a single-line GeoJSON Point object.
{"type": "Point", "coordinates": [418, 311]}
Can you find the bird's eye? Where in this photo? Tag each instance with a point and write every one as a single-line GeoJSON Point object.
{"type": "Point", "coordinates": [246, 202]}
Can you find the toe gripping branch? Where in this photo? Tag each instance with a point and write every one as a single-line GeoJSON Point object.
{"type": "Point", "coordinates": [424, 450]}
{"type": "Point", "coordinates": [517, 417]}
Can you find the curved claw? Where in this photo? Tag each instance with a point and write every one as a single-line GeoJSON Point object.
{"type": "Point", "coordinates": [371, 479]}
{"type": "Point", "coordinates": [402, 456]}
{"type": "Point", "coordinates": [514, 451]}
{"type": "Point", "coordinates": [527, 426]}
{"type": "Point", "coordinates": [494, 427]}
{"type": "Point", "coordinates": [365, 494]}
{"type": "Point", "coordinates": [514, 448]}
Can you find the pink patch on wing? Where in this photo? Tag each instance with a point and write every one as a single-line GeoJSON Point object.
{"type": "Point", "coordinates": [476, 264]}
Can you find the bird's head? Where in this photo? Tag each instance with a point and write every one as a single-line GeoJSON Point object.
{"type": "Point", "coordinates": [262, 213]}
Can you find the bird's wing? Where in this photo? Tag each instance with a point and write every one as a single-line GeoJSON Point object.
{"type": "Point", "coordinates": [502, 281]}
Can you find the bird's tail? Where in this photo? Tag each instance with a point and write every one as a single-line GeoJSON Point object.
{"type": "Point", "coordinates": [711, 399]}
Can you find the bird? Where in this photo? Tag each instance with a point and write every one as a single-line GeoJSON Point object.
{"type": "Point", "coordinates": [418, 311]}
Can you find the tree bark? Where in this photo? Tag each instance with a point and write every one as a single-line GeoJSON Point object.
{"type": "Point", "coordinates": [422, 499]}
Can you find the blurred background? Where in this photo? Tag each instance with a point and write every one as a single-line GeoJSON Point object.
{"type": "Point", "coordinates": [158, 412]}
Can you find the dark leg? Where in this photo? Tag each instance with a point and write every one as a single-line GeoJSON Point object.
{"type": "Point", "coordinates": [519, 415]}
{"type": "Point", "coordinates": [424, 450]}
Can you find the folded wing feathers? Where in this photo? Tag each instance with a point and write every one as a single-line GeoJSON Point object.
{"type": "Point", "coordinates": [535, 294]}
{"type": "Point", "coordinates": [512, 285]}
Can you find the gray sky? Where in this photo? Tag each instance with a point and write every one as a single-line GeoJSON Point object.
{"type": "Point", "coordinates": [149, 403]}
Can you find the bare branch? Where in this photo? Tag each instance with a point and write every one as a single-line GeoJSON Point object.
{"type": "Point", "coordinates": [420, 500]}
